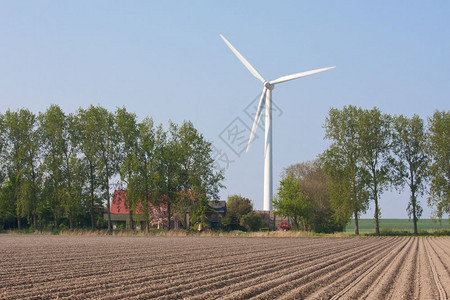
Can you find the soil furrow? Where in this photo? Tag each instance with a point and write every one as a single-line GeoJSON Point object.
{"type": "Point", "coordinates": [426, 286]}
{"type": "Point", "coordinates": [183, 289]}
{"type": "Point", "coordinates": [105, 267]}
{"type": "Point", "coordinates": [382, 286]}
{"type": "Point", "coordinates": [404, 285]}
{"type": "Point", "coordinates": [439, 273]}
{"type": "Point", "coordinates": [442, 253]}
{"type": "Point", "coordinates": [335, 281]}
{"type": "Point", "coordinates": [89, 285]}
{"type": "Point", "coordinates": [352, 267]}
{"type": "Point", "coordinates": [276, 280]}
{"type": "Point", "coordinates": [364, 279]}
{"type": "Point", "coordinates": [130, 268]}
{"type": "Point", "coordinates": [270, 274]}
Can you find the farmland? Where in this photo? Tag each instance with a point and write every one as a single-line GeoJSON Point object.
{"type": "Point", "coordinates": [111, 267]}
{"type": "Point", "coordinates": [368, 225]}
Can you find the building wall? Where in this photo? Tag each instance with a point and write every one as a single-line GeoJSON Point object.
{"type": "Point", "coordinates": [271, 220]}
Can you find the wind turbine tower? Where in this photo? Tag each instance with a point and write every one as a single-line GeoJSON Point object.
{"type": "Point", "coordinates": [266, 100]}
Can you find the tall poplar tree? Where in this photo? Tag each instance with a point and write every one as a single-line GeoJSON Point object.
{"type": "Point", "coordinates": [87, 130]}
{"type": "Point", "coordinates": [60, 162]}
{"type": "Point", "coordinates": [412, 162]}
{"type": "Point", "coordinates": [53, 143]}
{"type": "Point", "coordinates": [168, 167]}
{"type": "Point", "coordinates": [199, 182]}
{"type": "Point", "coordinates": [107, 151]}
{"type": "Point", "coordinates": [375, 144]}
{"type": "Point", "coordinates": [7, 205]}
{"type": "Point", "coordinates": [2, 150]}
{"type": "Point", "coordinates": [341, 161]}
{"type": "Point", "coordinates": [142, 187]}
{"type": "Point", "coordinates": [439, 151]}
{"type": "Point", "coordinates": [127, 129]}
{"type": "Point", "coordinates": [72, 170]}
{"type": "Point", "coordinates": [22, 155]}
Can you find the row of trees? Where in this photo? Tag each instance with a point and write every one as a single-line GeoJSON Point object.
{"type": "Point", "coordinates": [370, 152]}
{"type": "Point", "coordinates": [58, 169]}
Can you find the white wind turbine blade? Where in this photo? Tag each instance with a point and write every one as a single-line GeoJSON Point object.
{"type": "Point", "coordinates": [257, 117]}
{"type": "Point", "coordinates": [243, 60]}
{"type": "Point", "coordinates": [298, 75]}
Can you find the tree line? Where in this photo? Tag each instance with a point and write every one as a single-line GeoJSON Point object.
{"type": "Point", "coordinates": [370, 152]}
{"type": "Point", "coordinates": [57, 169]}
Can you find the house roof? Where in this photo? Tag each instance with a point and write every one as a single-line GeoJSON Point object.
{"type": "Point", "coordinates": [218, 206]}
{"type": "Point", "coordinates": [119, 203]}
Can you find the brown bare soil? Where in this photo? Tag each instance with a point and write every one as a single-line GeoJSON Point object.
{"type": "Point", "coordinates": [112, 267]}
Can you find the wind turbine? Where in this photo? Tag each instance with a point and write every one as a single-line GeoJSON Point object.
{"type": "Point", "coordinates": [266, 95]}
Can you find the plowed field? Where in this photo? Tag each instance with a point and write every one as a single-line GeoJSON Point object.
{"type": "Point", "coordinates": [109, 267]}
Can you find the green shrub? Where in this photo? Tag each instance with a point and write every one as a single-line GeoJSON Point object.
{"type": "Point", "coordinates": [252, 221]}
{"type": "Point", "coordinates": [120, 227]}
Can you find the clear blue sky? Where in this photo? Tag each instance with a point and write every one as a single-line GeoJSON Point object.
{"type": "Point", "coordinates": [165, 59]}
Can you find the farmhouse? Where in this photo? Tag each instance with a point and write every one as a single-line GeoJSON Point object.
{"type": "Point", "coordinates": [120, 214]}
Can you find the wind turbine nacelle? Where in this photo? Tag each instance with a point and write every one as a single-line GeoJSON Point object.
{"type": "Point", "coordinates": [268, 85]}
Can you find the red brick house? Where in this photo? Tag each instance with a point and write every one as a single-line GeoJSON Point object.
{"type": "Point", "coordinates": [120, 214]}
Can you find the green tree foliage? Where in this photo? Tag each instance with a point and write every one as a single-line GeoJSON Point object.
{"type": "Point", "coordinates": [57, 152]}
{"type": "Point", "coordinates": [252, 221]}
{"type": "Point", "coordinates": [375, 144]}
{"type": "Point", "coordinates": [198, 209]}
{"type": "Point", "coordinates": [87, 133]}
{"type": "Point", "coordinates": [184, 171]}
{"type": "Point", "coordinates": [143, 186]}
{"type": "Point", "coordinates": [358, 159]}
{"type": "Point", "coordinates": [412, 163]}
{"type": "Point", "coordinates": [57, 170]}
{"type": "Point", "coordinates": [197, 170]}
{"type": "Point", "coordinates": [73, 172]}
{"type": "Point", "coordinates": [314, 184]}
{"type": "Point", "coordinates": [106, 142]}
{"type": "Point", "coordinates": [168, 166]}
{"type": "Point", "coordinates": [341, 161]}
{"type": "Point", "coordinates": [22, 162]}
{"type": "Point", "coordinates": [198, 180]}
{"type": "Point", "coordinates": [290, 202]}
{"type": "Point", "coordinates": [7, 207]}
{"type": "Point", "coordinates": [3, 141]}
{"type": "Point", "coordinates": [439, 151]}
{"type": "Point", "coordinates": [237, 207]}
{"type": "Point", "coordinates": [361, 165]}
{"type": "Point", "coordinates": [128, 133]}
